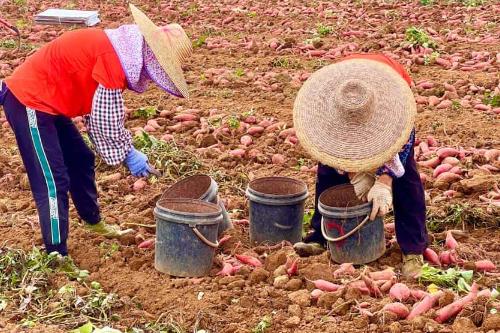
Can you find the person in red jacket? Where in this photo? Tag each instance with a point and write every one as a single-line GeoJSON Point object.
{"type": "Point", "coordinates": [356, 117]}
{"type": "Point", "coordinates": [83, 73]}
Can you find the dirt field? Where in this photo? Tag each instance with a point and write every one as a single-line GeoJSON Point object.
{"type": "Point", "coordinates": [250, 59]}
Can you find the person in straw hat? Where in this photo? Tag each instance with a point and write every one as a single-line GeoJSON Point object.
{"type": "Point", "coordinates": [356, 118]}
{"type": "Point", "coordinates": [83, 73]}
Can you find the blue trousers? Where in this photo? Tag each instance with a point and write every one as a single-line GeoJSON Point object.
{"type": "Point", "coordinates": [409, 206]}
{"type": "Point", "coordinates": [57, 161]}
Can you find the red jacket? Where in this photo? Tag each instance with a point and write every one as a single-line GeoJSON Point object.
{"type": "Point", "coordinates": [61, 77]}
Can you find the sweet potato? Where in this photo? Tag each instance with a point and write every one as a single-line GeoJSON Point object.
{"type": "Point", "coordinates": [246, 140]}
{"type": "Point", "coordinates": [325, 285]}
{"type": "Point", "coordinates": [249, 260]}
{"type": "Point", "coordinates": [448, 177]}
{"type": "Point", "coordinates": [278, 159]}
{"type": "Point", "coordinates": [344, 269]}
{"type": "Point", "coordinates": [441, 168]}
{"type": "Point", "coordinates": [485, 265]}
{"type": "Point", "coordinates": [387, 285]}
{"type": "Point", "coordinates": [139, 185]}
{"type": "Point", "coordinates": [444, 258]}
{"type": "Point", "coordinates": [453, 161]}
{"type": "Point", "coordinates": [316, 293]}
{"type": "Point", "coordinates": [425, 305]}
{"type": "Point", "coordinates": [397, 308]}
{"type": "Point", "coordinates": [432, 163]}
{"type": "Point", "coordinates": [447, 152]}
{"type": "Point", "coordinates": [450, 241]}
{"type": "Point", "coordinates": [237, 153]}
{"type": "Point", "coordinates": [147, 244]}
{"type": "Point", "coordinates": [431, 256]}
{"type": "Point", "coordinates": [454, 308]}
{"type": "Point", "coordinates": [418, 294]}
{"type": "Point", "coordinates": [254, 130]}
{"type": "Point", "coordinates": [399, 291]}
{"type": "Point", "coordinates": [185, 117]}
{"type": "Point", "coordinates": [386, 274]}
{"type": "Point", "coordinates": [374, 290]}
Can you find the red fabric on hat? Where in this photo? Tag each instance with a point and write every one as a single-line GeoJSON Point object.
{"type": "Point", "coordinates": [384, 59]}
{"type": "Point", "coordinates": [61, 77]}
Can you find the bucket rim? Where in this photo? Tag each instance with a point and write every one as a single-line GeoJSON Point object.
{"type": "Point", "coordinates": [278, 196]}
{"type": "Point", "coordinates": [341, 212]}
{"type": "Point", "coordinates": [188, 179]}
{"type": "Point", "coordinates": [216, 213]}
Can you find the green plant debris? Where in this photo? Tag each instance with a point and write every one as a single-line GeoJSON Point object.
{"type": "Point", "coordinates": [418, 37]}
{"type": "Point", "coordinates": [323, 30]}
{"type": "Point", "coordinates": [239, 72]}
{"type": "Point", "coordinates": [430, 58]}
{"type": "Point", "coordinates": [233, 122]}
{"type": "Point", "coordinates": [146, 112]}
{"type": "Point", "coordinates": [172, 160]}
{"type": "Point", "coordinates": [263, 325]}
{"type": "Point", "coordinates": [8, 43]}
{"type": "Point", "coordinates": [306, 221]}
{"type": "Point", "coordinates": [450, 278]}
{"type": "Point", "coordinates": [426, 2]}
{"type": "Point", "coordinates": [200, 41]}
{"type": "Point", "coordinates": [492, 99]}
{"type": "Point", "coordinates": [109, 249]}
{"type": "Point", "coordinates": [252, 14]}
{"type": "Point", "coordinates": [26, 289]}
{"type": "Point", "coordinates": [459, 215]}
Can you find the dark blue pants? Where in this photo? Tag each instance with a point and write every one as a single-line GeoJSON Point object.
{"type": "Point", "coordinates": [57, 161]}
{"type": "Point", "coordinates": [409, 206]}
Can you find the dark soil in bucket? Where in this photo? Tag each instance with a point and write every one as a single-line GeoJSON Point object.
{"type": "Point", "coordinates": [188, 206]}
{"type": "Point", "coordinates": [193, 187]}
{"type": "Point", "coordinates": [278, 186]}
{"type": "Point", "coordinates": [340, 196]}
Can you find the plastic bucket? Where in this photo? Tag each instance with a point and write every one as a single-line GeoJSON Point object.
{"type": "Point", "coordinates": [276, 209]}
{"type": "Point", "coordinates": [345, 224]}
{"type": "Point", "coordinates": [186, 236]}
{"type": "Point", "coordinates": [200, 187]}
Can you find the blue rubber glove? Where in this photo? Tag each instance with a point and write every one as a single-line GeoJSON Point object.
{"type": "Point", "coordinates": [137, 163]}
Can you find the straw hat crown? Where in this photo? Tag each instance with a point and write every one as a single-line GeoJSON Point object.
{"type": "Point", "coordinates": [354, 115]}
{"type": "Point", "coordinates": [170, 45]}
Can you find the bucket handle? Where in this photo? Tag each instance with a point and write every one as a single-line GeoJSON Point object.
{"type": "Point", "coordinates": [282, 227]}
{"type": "Point", "coordinates": [204, 239]}
{"type": "Point", "coordinates": [338, 239]}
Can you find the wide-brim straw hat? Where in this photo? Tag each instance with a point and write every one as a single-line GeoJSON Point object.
{"type": "Point", "coordinates": [354, 115]}
{"type": "Point", "coordinates": [170, 45]}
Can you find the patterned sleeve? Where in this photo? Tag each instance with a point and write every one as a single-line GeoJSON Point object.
{"type": "Point", "coordinates": [395, 168]}
{"type": "Point", "coordinates": [106, 126]}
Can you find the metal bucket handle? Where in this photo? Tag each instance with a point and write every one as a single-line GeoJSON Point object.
{"type": "Point", "coordinates": [350, 233]}
{"type": "Point", "coordinates": [203, 238]}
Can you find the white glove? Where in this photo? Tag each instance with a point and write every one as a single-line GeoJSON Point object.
{"type": "Point", "coordinates": [380, 195]}
{"type": "Point", "coordinates": [362, 182]}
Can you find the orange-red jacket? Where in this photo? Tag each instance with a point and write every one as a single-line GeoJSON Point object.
{"type": "Point", "coordinates": [61, 78]}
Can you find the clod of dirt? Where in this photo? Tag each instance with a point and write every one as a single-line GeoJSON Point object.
{"type": "Point", "coordinates": [476, 310]}
{"type": "Point", "coordinates": [281, 270]}
{"type": "Point", "coordinates": [295, 310]}
{"type": "Point", "coordinates": [432, 327]}
{"type": "Point", "coordinates": [236, 284]}
{"type": "Point", "coordinates": [395, 327]}
{"type": "Point", "coordinates": [281, 281]}
{"type": "Point", "coordinates": [258, 275]}
{"type": "Point", "coordinates": [419, 322]}
{"type": "Point", "coordinates": [341, 307]}
{"type": "Point", "coordinates": [317, 271]}
{"type": "Point", "coordinates": [326, 300]}
{"type": "Point", "coordinates": [447, 298]}
{"type": "Point", "coordinates": [352, 293]}
{"type": "Point", "coordinates": [492, 322]}
{"type": "Point", "coordinates": [276, 259]}
{"type": "Point", "coordinates": [228, 279]}
{"type": "Point", "coordinates": [292, 322]}
{"type": "Point", "coordinates": [293, 285]}
{"type": "Point", "coordinates": [361, 321]}
{"type": "Point", "coordinates": [207, 141]}
{"type": "Point", "coordinates": [246, 302]}
{"type": "Point", "coordinates": [477, 184]}
{"type": "Point", "coordinates": [301, 298]}
{"type": "Point", "coordinates": [244, 271]}
{"type": "Point", "coordinates": [463, 325]}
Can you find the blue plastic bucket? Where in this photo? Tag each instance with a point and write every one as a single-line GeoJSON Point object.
{"type": "Point", "coordinates": [345, 224]}
{"type": "Point", "coordinates": [276, 209]}
{"type": "Point", "coordinates": [186, 236]}
{"type": "Point", "coordinates": [200, 187]}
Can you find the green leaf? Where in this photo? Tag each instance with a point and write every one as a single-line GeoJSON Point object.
{"type": "Point", "coordinates": [463, 286]}
{"type": "Point", "coordinates": [494, 293]}
{"type": "Point", "coordinates": [467, 275]}
{"type": "Point", "coordinates": [87, 328]}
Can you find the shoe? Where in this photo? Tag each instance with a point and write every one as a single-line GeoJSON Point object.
{"type": "Point", "coordinates": [308, 249]}
{"type": "Point", "coordinates": [107, 230]}
{"type": "Point", "coordinates": [315, 237]}
{"type": "Point", "coordinates": [412, 265]}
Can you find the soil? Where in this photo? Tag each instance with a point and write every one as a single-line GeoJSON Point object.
{"type": "Point", "coordinates": [261, 82]}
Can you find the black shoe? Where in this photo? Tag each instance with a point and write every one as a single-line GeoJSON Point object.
{"type": "Point", "coordinates": [315, 237]}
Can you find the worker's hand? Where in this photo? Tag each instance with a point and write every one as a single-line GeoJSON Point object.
{"type": "Point", "coordinates": [137, 163]}
{"type": "Point", "coordinates": [362, 182]}
{"type": "Point", "coordinates": [380, 195]}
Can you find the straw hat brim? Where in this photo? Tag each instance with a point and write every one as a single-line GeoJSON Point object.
{"type": "Point", "coordinates": [354, 146]}
{"type": "Point", "coordinates": [163, 51]}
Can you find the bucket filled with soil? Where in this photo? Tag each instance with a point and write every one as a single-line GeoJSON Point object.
{"type": "Point", "coordinates": [345, 224]}
{"type": "Point", "coordinates": [276, 209]}
{"type": "Point", "coordinates": [201, 187]}
{"type": "Point", "coordinates": [186, 236]}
